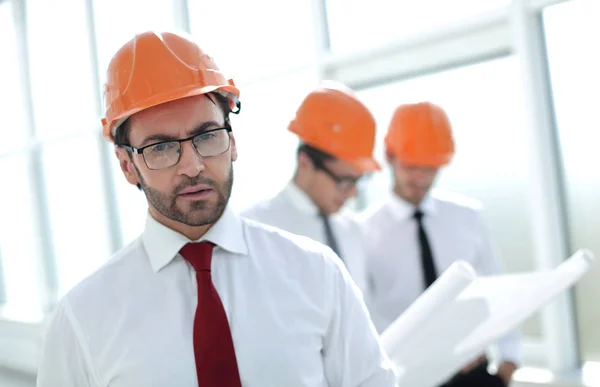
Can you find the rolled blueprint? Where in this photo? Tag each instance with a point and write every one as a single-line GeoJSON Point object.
{"type": "Point", "coordinates": [461, 315]}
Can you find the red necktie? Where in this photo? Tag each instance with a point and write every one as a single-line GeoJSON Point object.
{"type": "Point", "coordinates": [216, 364]}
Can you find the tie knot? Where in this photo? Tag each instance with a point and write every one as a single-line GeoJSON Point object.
{"type": "Point", "coordinates": [418, 215]}
{"type": "Point", "coordinates": [199, 255]}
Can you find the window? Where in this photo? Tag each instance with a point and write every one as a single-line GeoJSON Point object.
{"type": "Point", "coordinates": [484, 106]}
{"type": "Point", "coordinates": [357, 24]}
{"type": "Point", "coordinates": [19, 242]}
{"type": "Point", "coordinates": [254, 39]}
{"type": "Point", "coordinates": [118, 21]}
{"type": "Point", "coordinates": [14, 121]}
{"type": "Point", "coordinates": [76, 200]}
{"type": "Point", "coordinates": [60, 67]}
{"type": "Point", "coordinates": [571, 33]}
{"type": "Point", "coordinates": [2, 289]}
{"type": "Point", "coordinates": [266, 149]}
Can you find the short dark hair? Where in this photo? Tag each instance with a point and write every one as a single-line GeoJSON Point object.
{"type": "Point", "coordinates": [317, 156]}
{"type": "Point", "coordinates": [122, 138]}
{"type": "Point", "coordinates": [122, 134]}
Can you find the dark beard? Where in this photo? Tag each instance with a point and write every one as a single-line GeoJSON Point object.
{"type": "Point", "coordinates": [201, 213]}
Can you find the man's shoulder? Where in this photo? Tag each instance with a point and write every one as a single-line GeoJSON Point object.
{"type": "Point", "coordinates": [295, 257]}
{"type": "Point", "coordinates": [270, 236]}
{"type": "Point", "coordinates": [105, 281]}
{"type": "Point", "coordinates": [453, 201]}
{"type": "Point", "coordinates": [347, 215]}
{"type": "Point", "coordinates": [373, 212]}
{"type": "Point", "coordinates": [264, 209]}
{"type": "Point", "coordinates": [348, 221]}
{"type": "Point", "coordinates": [282, 248]}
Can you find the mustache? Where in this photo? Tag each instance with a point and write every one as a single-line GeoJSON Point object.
{"type": "Point", "coordinates": [192, 181]}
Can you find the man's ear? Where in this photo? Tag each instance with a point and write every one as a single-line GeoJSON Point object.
{"type": "Point", "coordinates": [127, 166]}
{"type": "Point", "coordinates": [389, 157]}
{"type": "Point", "coordinates": [304, 162]}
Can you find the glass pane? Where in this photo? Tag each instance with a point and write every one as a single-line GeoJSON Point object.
{"type": "Point", "coordinates": [118, 21]}
{"type": "Point", "coordinates": [2, 286]}
{"type": "Point", "coordinates": [133, 207]}
{"type": "Point", "coordinates": [77, 208]}
{"type": "Point", "coordinates": [254, 38]}
{"type": "Point", "coordinates": [14, 120]}
{"type": "Point", "coordinates": [18, 241]}
{"type": "Point", "coordinates": [61, 70]}
{"type": "Point", "coordinates": [261, 136]}
{"type": "Point", "coordinates": [488, 123]}
{"type": "Point", "coordinates": [575, 82]}
{"type": "Point", "coordinates": [356, 24]}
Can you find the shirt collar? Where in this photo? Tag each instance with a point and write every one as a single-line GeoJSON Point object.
{"type": "Point", "coordinates": [300, 199]}
{"type": "Point", "coordinates": [163, 244]}
{"type": "Point", "coordinates": [403, 209]}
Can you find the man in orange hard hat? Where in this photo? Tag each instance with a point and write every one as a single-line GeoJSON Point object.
{"type": "Point", "coordinates": [337, 136]}
{"type": "Point", "coordinates": [202, 297]}
{"type": "Point", "coordinates": [417, 234]}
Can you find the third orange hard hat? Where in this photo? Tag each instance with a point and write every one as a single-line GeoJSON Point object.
{"type": "Point", "coordinates": [154, 68]}
{"type": "Point", "coordinates": [333, 120]}
{"type": "Point", "coordinates": [420, 134]}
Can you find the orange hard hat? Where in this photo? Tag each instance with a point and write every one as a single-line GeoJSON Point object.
{"type": "Point", "coordinates": [333, 120]}
{"type": "Point", "coordinates": [158, 67]}
{"type": "Point", "coordinates": [420, 134]}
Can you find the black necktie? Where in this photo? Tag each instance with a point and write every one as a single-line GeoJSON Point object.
{"type": "Point", "coordinates": [429, 272]}
{"type": "Point", "coordinates": [331, 241]}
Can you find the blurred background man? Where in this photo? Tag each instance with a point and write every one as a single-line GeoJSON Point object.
{"type": "Point", "coordinates": [337, 136]}
{"type": "Point", "coordinates": [418, 233]}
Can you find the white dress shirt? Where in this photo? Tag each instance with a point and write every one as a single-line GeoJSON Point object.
{"type": "Point", "coordinates": [294, 211]}
{"type": "Point", "coordinates": [455, 230]}
{"type": "Point", "coordinates": [296, 317]}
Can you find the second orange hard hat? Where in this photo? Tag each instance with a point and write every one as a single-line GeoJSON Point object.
{"type": "Point", "coordinates": [333, 120]}
{"type": "Point", "coordinates": [420, 134]}
{"type": "Point", "coordinates": [154, 68]}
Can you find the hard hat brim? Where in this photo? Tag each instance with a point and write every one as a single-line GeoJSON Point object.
{"type": "Point", "coordinates": [110, 128]}
{"type": "Point", "coordinates": [365, 165]}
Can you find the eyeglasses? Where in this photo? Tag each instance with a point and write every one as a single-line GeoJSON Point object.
{"type": "Point", "coordinates": [343, 183]}
{"type": "Point", "coordinates": [167, 153]}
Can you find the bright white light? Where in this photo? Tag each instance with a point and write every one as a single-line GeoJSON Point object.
{"type": "Point", "coordinates": [590, 374]}
{"type": "Point", "coordinates": [534, 375]}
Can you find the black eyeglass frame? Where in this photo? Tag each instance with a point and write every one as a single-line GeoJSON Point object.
{"type": "Point", "coordinates": [344, 183]}
{"type": "Point", "coordinates": [140, 151]}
